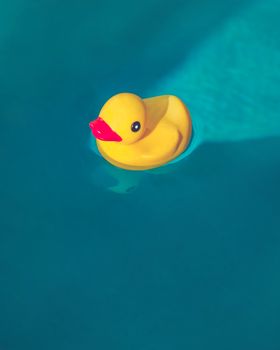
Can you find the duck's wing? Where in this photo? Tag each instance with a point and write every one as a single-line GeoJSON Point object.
{"type": "Point", "coordinates": [158, 147]}
{"type": "Point", "coordinates": [153, 150]}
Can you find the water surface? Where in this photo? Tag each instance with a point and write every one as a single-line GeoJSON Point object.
{"type": "Point", "coordinates": [189, 258]}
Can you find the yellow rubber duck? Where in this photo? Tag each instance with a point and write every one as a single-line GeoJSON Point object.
{"type": "Point", "coordinates": [139, 134]}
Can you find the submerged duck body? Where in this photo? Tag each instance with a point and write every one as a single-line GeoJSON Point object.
{"type": "Point", "coordinates": [140, 134]}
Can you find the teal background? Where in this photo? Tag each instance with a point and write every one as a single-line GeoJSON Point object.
{"type": "Point", "coordinates": [187, 259]}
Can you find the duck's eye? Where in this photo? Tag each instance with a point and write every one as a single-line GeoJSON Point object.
{"type": "Point", "coordinates": [136, 126]}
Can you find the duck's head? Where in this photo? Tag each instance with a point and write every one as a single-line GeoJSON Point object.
{"type": "Point", "coordinates": [121, 119]}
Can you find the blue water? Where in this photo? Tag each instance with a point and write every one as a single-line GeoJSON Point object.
{"type": "Point", "coordinates": [92, 257]}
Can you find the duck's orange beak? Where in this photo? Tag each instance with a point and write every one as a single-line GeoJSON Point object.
{"type": "Point", "coordinates": [102, 131]}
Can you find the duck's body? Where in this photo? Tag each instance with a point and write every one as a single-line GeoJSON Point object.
{"type": "Point", "coordinates": [163, 130]}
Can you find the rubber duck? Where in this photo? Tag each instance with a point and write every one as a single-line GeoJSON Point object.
{"type": "Point", "coordinates": [139, 134]}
